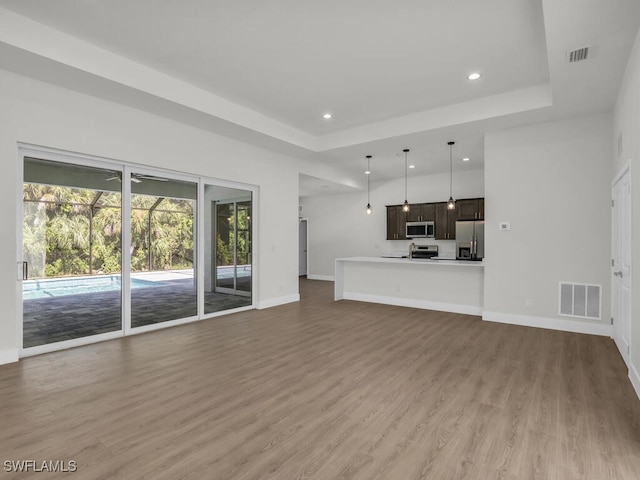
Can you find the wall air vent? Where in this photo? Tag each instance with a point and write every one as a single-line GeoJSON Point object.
{"type": "Point", "coordinates": [578, 54]}
{"type": "Point", "coordinates": [580, 300]}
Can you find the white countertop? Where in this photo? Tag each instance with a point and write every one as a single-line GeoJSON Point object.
{"type": "Point", "coordinates": [408, 261]}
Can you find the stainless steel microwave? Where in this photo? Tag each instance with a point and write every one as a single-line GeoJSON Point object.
{"type": "Point", "coordinates": [420, 229]}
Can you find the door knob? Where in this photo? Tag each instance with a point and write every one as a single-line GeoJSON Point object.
{"type": "Point", "coordinates": [618, 274]}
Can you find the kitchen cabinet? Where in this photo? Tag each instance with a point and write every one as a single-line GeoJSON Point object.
{"type": "Point", "coordinates": [396, 220]}
{"type": "Point", "coordinates": [421, 212]}
{"type": "Point", "coordinates": [445, 222]}
{"type": "Point", "coordinates": [470, 209]}
{"type": "Point", "coordinates": [445, 219]}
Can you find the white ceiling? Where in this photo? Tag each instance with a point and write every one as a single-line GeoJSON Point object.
{"type": "Point", "coordinates": [293, 60]}
{"type": "Point", "coordinates": [393, 74]}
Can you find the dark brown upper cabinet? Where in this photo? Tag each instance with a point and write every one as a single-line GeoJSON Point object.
{"type": "Point", "coordinates": [396, 220]}
{"type": "Point", "coordinates": [470, 209]}
{"type": "Point", "coordinates": [445, 219]}
{"type": "Point", "coordinates": [445, 222]}
{"type": "Point", "coordinates": [421, 212]}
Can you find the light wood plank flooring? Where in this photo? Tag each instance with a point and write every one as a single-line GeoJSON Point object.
{"type": "Point", "coordinates": [328, 390]}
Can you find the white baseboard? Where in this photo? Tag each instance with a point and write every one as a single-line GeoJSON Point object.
{"type": "Point", "coordinates": [9, 356]}
{"type": "Point", "coordinates": [413, 303]}
{"type": "Point", "coordinates": [274, 302]}
{"type": "Point", "coordinates": [576, 326]}
{"type": "Point", "coordinates": [326, 278]}
{"type": "Point", "coordinates": [635, 378]}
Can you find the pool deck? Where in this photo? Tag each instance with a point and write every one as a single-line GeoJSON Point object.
{"type": "Point", "coordinates": [54, 319]}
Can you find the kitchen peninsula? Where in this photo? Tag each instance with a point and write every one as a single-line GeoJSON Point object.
{"type": "Point", "coordinates": [445, 285]}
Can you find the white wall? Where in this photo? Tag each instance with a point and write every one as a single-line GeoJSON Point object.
{"type": "Point", "coordinates": [552, 182]}
{"type": "Point", "coordinates": [339, 226]}
{"type": "Point", "coordinates": [42, 114]}
{"type": "Point", "coordinates": [627, 127]}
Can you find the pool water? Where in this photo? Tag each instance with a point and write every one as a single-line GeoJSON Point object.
{"type": "Point", "coordinates": [32, 289]}
{"type": "Point", "coordinates": [228, 272]}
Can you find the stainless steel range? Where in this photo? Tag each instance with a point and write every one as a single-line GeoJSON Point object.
{"type": "Point", "coordinates": [423, 251]}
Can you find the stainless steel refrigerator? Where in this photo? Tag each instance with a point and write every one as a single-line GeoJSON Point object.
{"type": "Point", "coordinates": [470, 240]}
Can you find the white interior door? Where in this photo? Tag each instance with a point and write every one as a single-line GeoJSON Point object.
{"type": "Point", "coordinates": [302, 247]}
{"type": "Point", "coordinates": [621, 264]}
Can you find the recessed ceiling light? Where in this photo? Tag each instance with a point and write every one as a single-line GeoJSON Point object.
{"type": "Point", "coordinates": [367, 172]}
{"type": "Point", "coordinates": [466, 159]}
{"type": "Point", "coordinates": [412, 166]}
{"type": "Point", "coordinates": [327, 116]}
{"type": "Point", "coordinates": [474, 76]}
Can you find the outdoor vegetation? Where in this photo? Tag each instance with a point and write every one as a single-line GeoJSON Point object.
{"type": "Point", "coordinates": [226, 237]}
{"type": "Point", "coordinates": [70, 231]}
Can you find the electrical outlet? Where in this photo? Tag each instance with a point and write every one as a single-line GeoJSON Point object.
{"type": "Point", "coordinates": [528, 303]}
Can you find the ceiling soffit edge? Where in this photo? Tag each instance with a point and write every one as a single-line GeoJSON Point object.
{"type": "Point", "coordinates": [22, 32]}
{"type": "Point", "coordinates": [508, 103]}
{"type": "Point", "coordinates": [35, 38]}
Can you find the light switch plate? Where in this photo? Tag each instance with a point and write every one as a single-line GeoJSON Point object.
{"type": "Point", "coordinates": [504, 226]}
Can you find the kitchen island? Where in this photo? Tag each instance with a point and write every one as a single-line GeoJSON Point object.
{"type": "Point", "coordinates": [445, 285]}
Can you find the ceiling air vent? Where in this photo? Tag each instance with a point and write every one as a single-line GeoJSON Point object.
{"type": "Point", "coordinates": [578, 54]}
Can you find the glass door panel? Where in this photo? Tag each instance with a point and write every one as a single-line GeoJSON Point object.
{"type": "Point", "coordinates": [243, 247]}
{"type": "Point", "coordinates": [228, 257]}
{"type": "Point", "coordinates": [163, 280]}
{"type": "Point", "coordinates": [71, 241]}
{"type": "Point", "coordinates": [225, 247]}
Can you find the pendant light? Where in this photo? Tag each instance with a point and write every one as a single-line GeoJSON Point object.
{"type": "Point", "coordinates": [368, 172]}
{"type": "Point", "coordinates": [405, 205]}
{"type": "Point", "coordinates": [451, 204]}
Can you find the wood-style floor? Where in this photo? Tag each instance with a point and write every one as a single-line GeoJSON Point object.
{"type": "Point", "coordinates": [328, 390]}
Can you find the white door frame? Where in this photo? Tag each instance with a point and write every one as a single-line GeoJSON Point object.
{"type": "Point", "coordinates": [28, 150]}
{"type": "Point", "coordinates": [46, 153]}
{"type": "Point", "coordinates": [129, 169]}
{"type": "Point", "coordinates": [255, 219]}
{"type": "Point", "coordinates": [621, 277]}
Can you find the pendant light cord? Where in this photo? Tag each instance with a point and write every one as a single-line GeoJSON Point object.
{"type": "Point", "coordinates": [451, 171]}
{"type": "Point", "coordinates": [368, 173]}
{"type": "Point", "coordinates": [405, 175]}
{"type": "Point", "coordinates": [451, 203]}
{"type": "Point", "coordinates": [369, 180]}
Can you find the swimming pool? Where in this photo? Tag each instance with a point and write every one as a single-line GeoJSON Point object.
{"type": "Point", "coordinates": [228, 271]}
{"type": "Point", "coordinates": [58, 287]}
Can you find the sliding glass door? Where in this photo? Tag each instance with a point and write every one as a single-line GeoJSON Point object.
{"type": "Point", "coordinates": [79, 282]}
{"type": "Point", "coordinates": [71, 244]}
{"type": "Point", "coordinates": [163, 246]}
{"type": "Point", "coordinates": [243, 248]}
{"type": "Point", "coordinates": [233, 248]}
{"type": "Point", "coordinates": [229, 232]}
